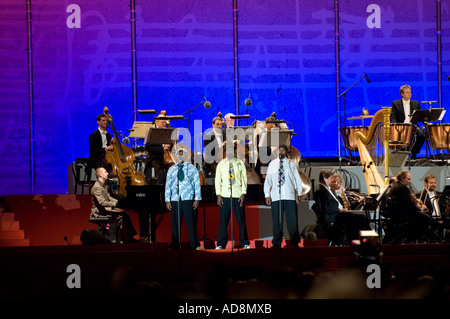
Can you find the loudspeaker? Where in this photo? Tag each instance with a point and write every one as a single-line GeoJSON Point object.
{"type": "Point", "coordinates": [92, 236]}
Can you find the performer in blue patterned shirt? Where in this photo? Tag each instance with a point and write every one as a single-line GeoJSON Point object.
{"type": "Point", "coordinates": [183, 178]}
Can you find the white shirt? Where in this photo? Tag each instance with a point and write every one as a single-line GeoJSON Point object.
{"type": "Point", "coordinates": [292, 185]}
{"type": "Point", "coordinates": [103, 135]}
{"type": "Point", "coordinates": [407, 108]}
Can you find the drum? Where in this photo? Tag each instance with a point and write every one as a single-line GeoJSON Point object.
{"type": "Point", "coordinates": [439, 136]}
{"type": "Point", "coordinates": [400, 135]}
{"type": "Point", "coordinates": [349, 136]}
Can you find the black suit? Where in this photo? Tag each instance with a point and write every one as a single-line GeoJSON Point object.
{"type": "Point", "coordinates": [329, 206]}
{"type": "Point", "coordinates": [425, 198]}
{"type": "Point", "coordinates": [212, 147]}
{"type": "Point", "coordinates": [398, 112]}
{"type": "Point", "coordinates": [155, 159]}
{"type": "Point", "coordinates": [404, 209]}
{"type": "Point", "coordinates": [96, 150]}
{"type": "Point", "coordinates": [398, 116]}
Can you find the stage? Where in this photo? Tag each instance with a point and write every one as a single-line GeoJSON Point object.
{"type": "Point", "coordinates": [40, 238]}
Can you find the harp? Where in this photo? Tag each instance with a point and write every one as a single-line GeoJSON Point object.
{"type": "Point", "coordinates": [374, 181]}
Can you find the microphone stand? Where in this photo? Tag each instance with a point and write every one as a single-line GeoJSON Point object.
{"type": "Point", "coordinates": [231, 204]}
{"type": "Point", "coordinates": [343, 94]}
{"type": "Point", "coordinates": [179, 203]}
{"type": "Point", "coordinates": [279, 192]}
{"type": "Point", "coordinates": [190, 110]}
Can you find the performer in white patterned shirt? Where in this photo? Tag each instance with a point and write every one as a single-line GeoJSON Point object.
{"type": "Point", "coordinates": [183, 179]}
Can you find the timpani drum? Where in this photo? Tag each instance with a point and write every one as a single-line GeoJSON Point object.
{"type": "Point", "coordinates": [401, 135]}
{"type": "Point", "coordinates": [349, 135]}
{"type": "Point", "coordinates": [439, 136]}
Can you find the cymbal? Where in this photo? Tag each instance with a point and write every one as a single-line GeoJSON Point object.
{"type": "Point", "coordinates": [361, 117]}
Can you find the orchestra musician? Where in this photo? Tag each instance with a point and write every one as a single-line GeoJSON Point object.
{"type": "Point", "coordinates": [155, 156]}
{"type": "Point", "coordinates": [100, 142]}
{"type": "Point", "coordinates": [400, 113]}
{"type": "Point", "coordinates": [430, 197]}
{"type": "Point", "coordinates": [340, 190]}
{"type": "Point", "coordinates": [214, 144]}
{"type": "Point", "coordinates": [408, 209]}
{"type": "Point", "coordinates": [266, 154]}
{"type": "Point", "coordinates": [332, 206]}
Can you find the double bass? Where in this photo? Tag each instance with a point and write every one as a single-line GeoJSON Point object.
{"type": "Point", "coordinates": [120, 161]}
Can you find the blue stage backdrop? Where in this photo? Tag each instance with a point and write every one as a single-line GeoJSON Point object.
{"type": "Point", "coordinates": [188, 50]}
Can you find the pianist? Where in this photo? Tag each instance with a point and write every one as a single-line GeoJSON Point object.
{"type": "Point", "coordinates": [103, 205]}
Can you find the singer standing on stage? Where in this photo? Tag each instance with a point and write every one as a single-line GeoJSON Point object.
{"type": "Point", "coordinates": [283, 179]}
{"type": "Point", "coordinates": [183, 179]}
{"type": "Point", "coordinates": [231, 187]}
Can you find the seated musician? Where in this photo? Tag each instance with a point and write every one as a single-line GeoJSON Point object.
{"type": "Point", "coordinates": [155, 156]}
{"type": "Point", "coordinates": [407, 209]}
{"type": "Point", "coordinates": [332, 206]}
{"type": "Point", "coordinates": [100, 142]}
{"type": "Point", "coordinates": [400, 111]}
{"type": "Point", "coordinates": [214, 145]}
{"type": "Point", "coordinates": [435, 204]}
{"type": "Point", "coordinates": [430, 197]}
{"type": "Point", "coordinates": [104, 205]}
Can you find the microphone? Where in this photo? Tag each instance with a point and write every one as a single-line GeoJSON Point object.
{"type": "Point", "coordinates": [311, 236]}
{"type": "Point", "coordinates": [125, 140]}
{"type": "Point", "coordinates": [367, 78]}
{"type": "Point", "coordinates": [207, 104]}
{"type": "Point", "coordinates": [248, 102]}
{"type": "Point", "coordinates": [448, 78]}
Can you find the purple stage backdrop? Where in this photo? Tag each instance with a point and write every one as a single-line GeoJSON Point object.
{"type": "Point", "coordinates": [281, 54]}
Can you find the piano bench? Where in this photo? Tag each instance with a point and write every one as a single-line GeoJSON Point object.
{"type": "Point", "coordinates": [110, 231]}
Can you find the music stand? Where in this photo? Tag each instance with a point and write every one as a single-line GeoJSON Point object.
{"type": "Point", "coordinates": [426, 116]}
{"type": "Point", "coordinates": [140, 129]}
{"type": "Point", "coordinates": [159, 136]}
{"type": "Point", "coordinates": [284, 138]}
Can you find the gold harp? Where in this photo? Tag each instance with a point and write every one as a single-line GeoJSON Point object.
{"type": "Point", "coordinates": [375, 183]}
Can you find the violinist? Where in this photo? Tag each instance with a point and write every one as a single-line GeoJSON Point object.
{"type": "Point", "coordinates": [155, 157]}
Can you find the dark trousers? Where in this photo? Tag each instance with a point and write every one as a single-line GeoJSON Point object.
{"type": "Point", "coordinates": [352, 223]}
{"type": "Point", "coordinates": [191, 216]}
{"type": "Point", "coordinates": [127, 230]}
{"type": "Point", "coordinates": [289, 207]}
{"type": "Point", "coordinates": [418, 141]}
{"type": "Point", "coordinates": [225, 213]}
